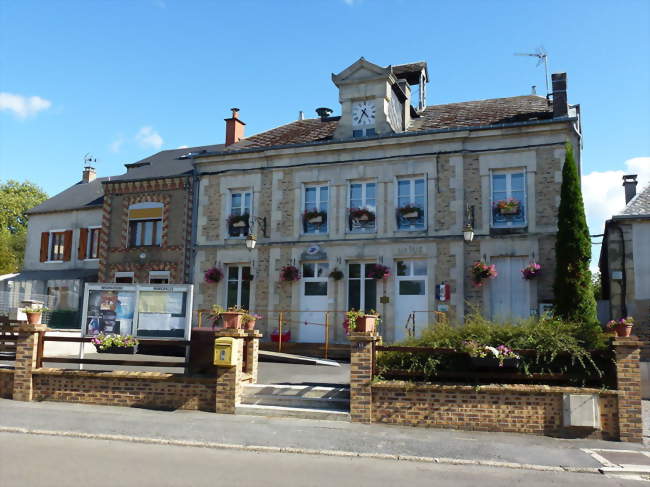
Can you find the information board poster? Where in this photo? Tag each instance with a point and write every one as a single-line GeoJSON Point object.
{"type": "Point", "coordinates": [145, 311]}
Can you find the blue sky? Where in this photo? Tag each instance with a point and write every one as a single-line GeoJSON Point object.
{"type": "Point", "coordinates": [122, 79]}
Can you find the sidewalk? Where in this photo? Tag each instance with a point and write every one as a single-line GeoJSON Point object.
{"type": "Point", "coordinates": [246, 431]}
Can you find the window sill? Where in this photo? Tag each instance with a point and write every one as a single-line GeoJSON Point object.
{"type": "Point", "coordinates": [145, 247]}
{"type": "Point", "coordinates": [54, 262]}
{"type": "Point", "coordinates": [509, 230]}
{"type": "Point", "coordinates": [94, 259]}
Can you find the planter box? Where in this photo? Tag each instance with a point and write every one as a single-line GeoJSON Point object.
{"type": "Point", "coordinates": [122, 350]}
{"type": "Point", "coordinates": [316, 219]}
{"type": "Point", "coordinates": [232, 319]}
{"type": "Point", "coordinates": [366, 324]}
{"type": "Point", "coordinates": [493, 363]}
{"type": "Point", "coordinates": [250, 325]}
{"type": "Point", "coordinates": [411, 214]}
{"type": "Point", "coordinates": [239, 224]}
{"type": "Point", "coordinates": [509, 211]}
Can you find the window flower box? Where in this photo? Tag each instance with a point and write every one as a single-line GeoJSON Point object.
{"type": "Point", "coordinates": [509, 206]}
{"type": "Point", "coordinates": [314, 217]}
{"type": "Point", "coordinates": [410, 212]}
{"type": "Point", "coordinates": [238, 221]}
{"type": "Point", "coordinates": [125, 344]}
{"type": "Point", "coordinates": [362, 214]}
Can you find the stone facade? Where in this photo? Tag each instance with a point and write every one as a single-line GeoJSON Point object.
{"type": "Point", "coordinates": [174, 252]}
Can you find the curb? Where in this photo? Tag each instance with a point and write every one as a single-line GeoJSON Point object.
{"type": "Point", "coordinates": [300, 451]}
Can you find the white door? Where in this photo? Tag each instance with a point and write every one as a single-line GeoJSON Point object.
{"type": "Point", "coordinates": [313, 302]}
{"type": "Point", "coordinates": [411, 295]}
{"type": "Point", "coordinates": [509, 292]}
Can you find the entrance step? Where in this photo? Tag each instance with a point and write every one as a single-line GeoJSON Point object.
{"type": "Point", "coordinates": [292, 412]}
{"type": "Point", "coordinates": [315, 402]}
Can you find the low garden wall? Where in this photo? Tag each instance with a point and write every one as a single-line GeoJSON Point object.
{"type": "Point", "coordinates": [533, 409]}
{"type": "Point", "coordinates": [134, 389]}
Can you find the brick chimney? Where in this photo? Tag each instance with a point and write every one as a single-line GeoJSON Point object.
{"type": "Point", "coordinates": [629, 183]}
{"type": "Point", "coordinates": [89, 174]}
{"type": "Point", "coordinates": [560, 105]}
{"type": "Point", "coordinates": [234, 128]}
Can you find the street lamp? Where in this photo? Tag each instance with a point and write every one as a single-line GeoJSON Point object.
{"type": "Point", "coordinates": [251, 240]}
{"type": "Point", "coordinates": [468, 231]}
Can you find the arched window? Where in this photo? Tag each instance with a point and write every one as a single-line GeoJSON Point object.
{"type": "Point", "coordinates": [145, 224]}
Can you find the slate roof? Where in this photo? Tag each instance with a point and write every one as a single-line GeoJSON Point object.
{"type": "Point", "coordinates": [91, 195]}
{"type": "Point", "coordinates": [480, 113]}
{"type": "Point", "coordinates": [639, 205]}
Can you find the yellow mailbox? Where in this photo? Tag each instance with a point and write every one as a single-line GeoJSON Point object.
{"type": "Point", "coordinates": [223, 352]}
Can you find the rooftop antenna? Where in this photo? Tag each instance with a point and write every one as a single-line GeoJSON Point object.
{"type": "Point", "coordinates": [542, 56]}
{"type": "Point", "coordinates": [89, 160]}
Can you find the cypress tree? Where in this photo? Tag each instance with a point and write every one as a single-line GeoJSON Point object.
{"type": "Point", "coordinates": [574, 298]}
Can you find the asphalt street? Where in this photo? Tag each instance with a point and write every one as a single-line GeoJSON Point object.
{"type": "Point", "coordinates": [44, 461]}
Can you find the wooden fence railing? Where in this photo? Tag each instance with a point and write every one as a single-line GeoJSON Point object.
{"type": "Point", "coordinates": [504, 375]}
{"type": "Point", "coordinates": [132, 362]}
{"type": "Point", "coordinates": [8, 336]}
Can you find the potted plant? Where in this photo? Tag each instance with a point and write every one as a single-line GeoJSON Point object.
{"type": "Point", "coordinates": [531, 271]}
{"type": "Point", "coordinates": [215, 314]}
{"type": "Point", "coordinates": [233, 317]}
{"type": "Point", "coordinates": [213, 275]}
{"type": "Point", "coordinates": [315, 217]}
{"type": "Point", "coordinates": [509, 206]}
{"type": "Point", "coordinates": [481, 272]}
{"type": "Point", "coordinates": [409, 211]}
{"type": "Point", "coordinates": [485, 356]}
{"type": "Point", "coordinates": [34, 314]}
{"type": "Point", "coordinates": [622, 327]}
{"type": "Point", "coordinates": [249, 320]}
{"type": "Point", "coordinates": [359, 321]}
{"type": "Point", "coordinates": [362, 215]}
{"type": "Point", "coordinates": [336, 274]}
{"type": "Point", "coordinates": [238, 221]}
{"type": "Point", "coordinates": [378, 272]}
{"type": "Point", "coordinates": [115, 343]}
{"type": "Point", "coordinates": [289, 273]}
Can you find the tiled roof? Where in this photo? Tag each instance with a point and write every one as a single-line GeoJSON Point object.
{"type": "Point", "coordinates": [639, 205]}
{"type": "Point", "coordinates": [453, 115]}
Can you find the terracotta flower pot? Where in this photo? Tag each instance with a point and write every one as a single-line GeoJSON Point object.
{"type": "Point", "coordinates": [232, 319]}
{"type": "Point", "coordinates": [249, 325]}
{"type": "Point", "coordinates": [34, 318]}
{"type": "Point", "coordinates": [366, 324]}
{"type": "Point", "coordinates": [623, 330]}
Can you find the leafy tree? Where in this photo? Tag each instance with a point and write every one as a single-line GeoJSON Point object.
{"type": "Point", "coordinates": [574, 297]}
{"type": "Point", "coordinates": [15, 199]}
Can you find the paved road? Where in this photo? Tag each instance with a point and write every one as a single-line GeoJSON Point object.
{"type": "Point", "coordinates": [43, 461]}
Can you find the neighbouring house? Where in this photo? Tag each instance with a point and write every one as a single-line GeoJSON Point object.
{"type": "Point", "coordinates": [382, 194]}
{"type": "Point", "coordinates": [147, 220]}
{"type": "Point", "coordinates": [62, 250]}
{"type": "Point", "coordinates": [625, 265]}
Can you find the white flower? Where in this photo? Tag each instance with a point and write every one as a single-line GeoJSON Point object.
{"type": "Point", "coordinates": [494, 351]}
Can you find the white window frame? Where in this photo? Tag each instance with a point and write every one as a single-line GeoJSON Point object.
{"type": "Point", "coordinates": [160, 275]}
{"type": "Point", "coordinates": [124, 274]}
{"type": "Point", "coordinates": [425, 216]}
{"type": "Point", "coordinates": [143, 206]}
{"type": "Point", "coordinates": [319, 187]}
{"type": "Point", "coordinates": [508, 173]}
{"type": "Point", "coordinates": [240, 282]}
{"type": "Point", "coordinates": [364, 198]}
{"type": "Point", "coordinates": [243, 192]}
{"type": "Point", "coordinates": [88, 247]}
{"type": "Point", "coordinates": [49, 245]}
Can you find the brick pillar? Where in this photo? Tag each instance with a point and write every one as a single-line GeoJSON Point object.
{"type": "Point", "coordinates": [628, 382]}
{"type": "Point", "coordinates": [361, 354]}
{"type": "Point", "coordinates": [229, 379]}
{"type": "Point", "coordinates": [26, 360]}
{"type": "Point", "coordinates": [252, 352]}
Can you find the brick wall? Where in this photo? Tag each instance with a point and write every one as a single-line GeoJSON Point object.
{"type": "Point", "coordinates": [499, 408]}
{"type": "Point", "coordinates": [6, 383]}
{"type": "Point", "coordinates": [628, 382]}
{"type": "Point", "coordinates": [140, 389]}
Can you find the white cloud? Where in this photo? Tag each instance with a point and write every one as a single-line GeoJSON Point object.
{"type": "Point", "coordinates": [351, 2]}
{"type": "Point", "coordinates": [148, 137]}
{"type": "Point", "coordinates": [23, 106]}
{"type": "Point", "coordinates": [116, 145]}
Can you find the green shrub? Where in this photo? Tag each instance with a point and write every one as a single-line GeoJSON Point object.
{"type": "Point", "coordinates": [560, 347]}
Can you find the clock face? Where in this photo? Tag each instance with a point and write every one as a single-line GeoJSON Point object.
{"type": "Point", "coordinates": [363, 113]}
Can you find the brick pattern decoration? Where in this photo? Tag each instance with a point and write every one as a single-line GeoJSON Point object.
{"type": "Point", "coordinates": [6, 384]}
{"type": "Point", "coordinates": [134, 389]}
{"type": "Point", "coordinates": [104, 237]}
{"type": "Point", "coordinates": [26, 355]}
{"type": "Point", "coordinates": [361, 376]}
{"type": "Point", "coordinates": [145, 198]}
{"type": "Point", "coordinates": [628, 380]}
{"type": "Point", "coordinates": [497, 408]}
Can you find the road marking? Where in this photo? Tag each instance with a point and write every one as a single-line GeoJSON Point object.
{"type": "Point", "coordinates": [302, 451]}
